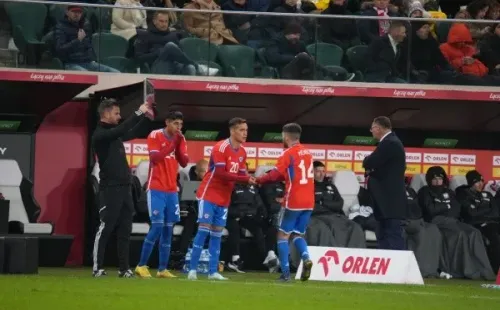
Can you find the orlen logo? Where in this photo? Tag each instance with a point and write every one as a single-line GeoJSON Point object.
{"type": "Point", "coordinates": [207, 151]}
{"type": "Point", "coordinates": [251, 151]}
{"type": "Point", "coordinates": [413, 157]}
{"type": "Point", "coordinates": [140, 148]}
{"type": "Point", "coordinates": [339, 155]}
{"type": "Point", "coordinates": [318, 154]}
{"type": "Point", "coordinates": [127, 147]}
{"type": "Point", "coordinates": [496, 160]}
{"type": "Point", "coordinates": [433, 158]}
{"type": "Point", "coordinates": [270, 152]}
{"type": "Point", "coordinates": [354, 264]}
{"type": "Point", "coordinates": [463, 159]}
{"type": "Point", "coordinates": [360, 155]}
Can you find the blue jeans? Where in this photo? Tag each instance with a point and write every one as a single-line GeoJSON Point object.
{"type": "Point", "coordinates": [89, 66]}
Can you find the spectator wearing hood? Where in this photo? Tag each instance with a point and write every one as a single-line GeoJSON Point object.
{"type": "Point", "coordinates": [427, 63]}
{"type": "Point", "coordinates": [276, 24]}
{"type": "Point", "coordinates": [480, 210]}
{"type": "Point", "coordinates": [490, 50]}
{"type": "Point", "coordinates": [463, 248]}
{"type": "Point", "coordinates": [461, 53]}
{"type": "Point", "coordinates": [339, 31]}
{"type": "Point", "coordinates": [159, 47]}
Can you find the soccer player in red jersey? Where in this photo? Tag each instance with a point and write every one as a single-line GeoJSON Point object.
{"type": "Point", "coordinates": [227, 165]}
{"type": "Point", "coordinates": [295, 166]}
{"type": "Point", "coordinates": [167, 150]}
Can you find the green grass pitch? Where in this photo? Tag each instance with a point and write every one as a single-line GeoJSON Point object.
{"type": "Point", "coordinates": [68, 289]}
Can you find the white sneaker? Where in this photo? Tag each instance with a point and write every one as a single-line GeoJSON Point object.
{"type": "Point", "coordinates": [205, 70]}
{"type": "Point", "coordinates": [444, 275]}
{"type": "Point", "coordinates": [269, 257]}
{"type": "Point", "coordinates": [192, 275]}
{"type": "Point", "coordinates": [217, 276]}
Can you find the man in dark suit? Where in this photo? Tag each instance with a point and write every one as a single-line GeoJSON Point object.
{"type": "Point", "coordinates": [386, 184]}
{"type": "Point", "coordinates": [384, 57]}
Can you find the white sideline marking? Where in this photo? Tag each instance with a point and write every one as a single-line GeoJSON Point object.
{"type": "Point", "coordinates": [316, 287]}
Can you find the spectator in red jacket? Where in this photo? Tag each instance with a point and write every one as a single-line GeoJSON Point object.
{"type": "Point", "coordinates": [461, 52]}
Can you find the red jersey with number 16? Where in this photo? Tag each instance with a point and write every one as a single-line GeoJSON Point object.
{"type": "Point", "coordinates": [296, 166]}
{"type": "Point", "coordinates": [215, 189]}
{"type": "Point", "coordinates": [163, 174]}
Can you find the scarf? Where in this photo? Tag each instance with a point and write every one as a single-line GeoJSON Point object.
{"type": "Point", "coordinates": [383, 24]}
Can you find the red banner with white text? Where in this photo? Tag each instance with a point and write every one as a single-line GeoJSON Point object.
{"type": "Point", "coordinates": [342, 157]}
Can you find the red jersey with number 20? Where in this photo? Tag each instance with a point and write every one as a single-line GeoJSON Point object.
{"type": "Point", "coordinates": [217, 190]}
{"type": "Point", "coordinates": [296, 165]}
{"type": "Point", "coordinates": [163, 174]}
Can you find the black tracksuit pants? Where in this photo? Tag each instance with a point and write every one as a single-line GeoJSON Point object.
{"type": "Point", "coordinates": [115, 211]}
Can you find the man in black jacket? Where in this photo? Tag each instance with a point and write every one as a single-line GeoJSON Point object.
{"type": "Point", "coordinates": [115, 196]}
{"type": "Point", "coordinates": [159, 47]}
{"type": "Point", "coordinates": [386, 183]}
{"type": "Point", "coordinates": [73, 43]}
{"type": "Point", "coordinates": [328, 208]}
{"type": "Point", "coordinates": [246, 211]}
{"type": "Point", "coordinates": [480, 210]}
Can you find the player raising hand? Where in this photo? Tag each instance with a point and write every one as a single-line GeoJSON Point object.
{"type": "Point", "coordinates": [167, 150]}
{"type": "Point", "coordinates": [295, 166]}
{"type": "Point", "coordinates": [227, 165]}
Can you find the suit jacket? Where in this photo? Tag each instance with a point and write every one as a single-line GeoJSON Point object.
{"type": "Point", "coordinates": [386, 182]}
{"type": "Point", "coordinates": [382, 60]}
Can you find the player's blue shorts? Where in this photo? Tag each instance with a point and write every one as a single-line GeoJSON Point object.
{"type": "Point", "coordinates": [212, 214]}
{"type": "Point", "coordinates": [163, 207]}
{"type": "Point", "coordinates": [294, 221]}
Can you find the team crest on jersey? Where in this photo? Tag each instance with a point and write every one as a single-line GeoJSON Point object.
{"type": "Point", "coordinates": [156, 212]}
{"type": "Point", "coordinates": [241, 159]}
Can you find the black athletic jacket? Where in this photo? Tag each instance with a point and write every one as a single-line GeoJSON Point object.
{"type": "Point", "coordinates": [107, 142]}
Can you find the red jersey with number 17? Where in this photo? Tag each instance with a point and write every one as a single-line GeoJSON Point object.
{"type": "Point", "coordinates": [217, 190]}
{"type": "Point", "coordinates": [296, 165]}
{"type": "Point", "coordinates": [163, 174]}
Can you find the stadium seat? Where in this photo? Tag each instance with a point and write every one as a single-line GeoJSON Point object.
{"type": "Point", "coordinates": [348, 186]}
{"type": "Point", "coordinates": [261, 170]}
{"type": "Point", "coordinates": [491, 187]}
{"type": "Point", "coordinates": [326, 54]}
{"type": "Point", "coordinates": [140, 228]}
{"type": "Point", "coordinates": [356, 57]}
{"type": "Point", "coordinates": [237, 60]}
{"type": "Point", "coordinates": [199, 50]}
{"type": "Point", "coordinates": [457, 181]}
{"type": "Point", "coordinates": [417, 182]}
{"type": "Point", "coordinates": [10, 181]}
{"type": "Point", "coordinates": [142, 170]}
{"type": "Point", "coordinates": [184, 173]}
{"type": "Point", "coordinates": [111, 49]}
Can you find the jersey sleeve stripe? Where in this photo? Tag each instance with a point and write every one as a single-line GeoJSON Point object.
{"type": "Point", "coordinates": [219, 164]}
{"type": "Point", "coordinates": [223, 146]}
{"type": "Point", "coordinates": [153, 151]}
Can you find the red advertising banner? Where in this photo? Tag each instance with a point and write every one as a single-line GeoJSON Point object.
{"type": "Point", "coordinates": [342, 157]}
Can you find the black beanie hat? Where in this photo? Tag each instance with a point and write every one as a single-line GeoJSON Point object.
{"type": "Point", "coordinates": [473, 177]}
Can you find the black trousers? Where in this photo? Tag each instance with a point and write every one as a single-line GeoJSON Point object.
{"type": "Point", "coordinates": [115, 212]}
{"type": "Point", "coordinates": [491, 232]}
{"type": "Point", "coordinates": [264, 235]}
{"type": "Point", "coordinates": [390, 234]}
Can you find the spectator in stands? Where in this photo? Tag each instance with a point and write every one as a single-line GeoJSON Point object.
{"type": "Point", "coordinates": [172, 16]}
{"type": "Point", "coordinates": [425, 240]}
{"type": "Point", "coordinates": [288, 54]}
{"type": "Point", "coordinates": [478, 9]}
{"type": "Point", "coordinates": [159, 48]}
{"type": "Point", "coordinates": [127, 21]}
{"type": "Point", "coordinates": [248, 211]}
{"type": "Point", "coordinates": [328, 208]}
{"type": "Point", "coordinates": [209, 27]}
{"type": "Point", "coordinates": [463, 248]}
{"type": "Point", "coordinates": [189, 222]}
{"type": "Point", "coordinates": [276, 24]}
{"type": "Point", "coordinates": [490, 50]}
{"type": "Point", "coordinates": [427, 63]}
{"type": "Point", "coordinates": [240, 25]}
{"type": "Point", "coordinates": [73, 42]}
{"type": "Point", "coordinates": [339, 31]}
{"type": "Point", "coordinates": [370, 29]}
{"type": "Point", "coordinates": [480, 210]}
{"type": "Point", "coordinates": [461, 53]}
{"type": "Point", "coordinates": [416, 10]}
{"type": "Point", "coordinates": [384, 56]}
